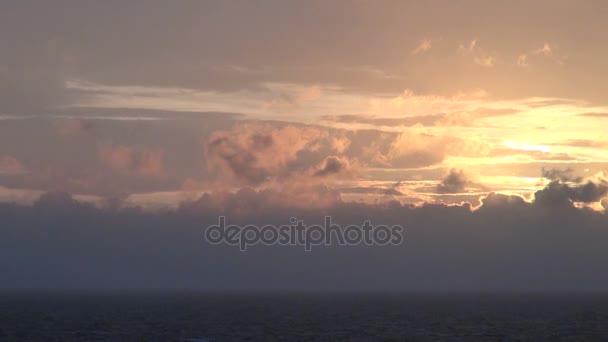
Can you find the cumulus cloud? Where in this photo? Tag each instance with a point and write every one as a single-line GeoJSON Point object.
{"type": "Point", "coordinates": [253, 153]}
{"type": "Point", "coordinates": [410, 150]}
{"type": "Point", "coordinates": [454, 182]}
{"type": "Point", "coordinates": [235, 153]}
{"type": "Point", "coordinates": [332, 165]}
{"type": "Point", "coordinates": [501, 201]}
{"type": "Point", "coordinates": [564, 175]}
{"type": "Point", "coordinates": [340, 143]}
{"type": "Point", "coordinates": [558, 193]}
{"type": "Point", "coordinates": [458, 182]}
{"type": "Point", "coordinates": [240, 160]}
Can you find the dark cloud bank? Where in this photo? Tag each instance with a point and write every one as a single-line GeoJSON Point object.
{"type": "Point", "coordinates": [506, 244]}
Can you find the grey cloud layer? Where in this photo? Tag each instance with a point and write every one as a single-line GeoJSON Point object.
{"type": "Point", "coordinates": [506, 244]}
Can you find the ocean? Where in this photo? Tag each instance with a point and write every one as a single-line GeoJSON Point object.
{"type": "Point", "coordinates": [198, 317]}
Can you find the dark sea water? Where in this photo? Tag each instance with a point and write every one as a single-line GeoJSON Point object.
{"type": "Point", "coordinates": [302, 317]}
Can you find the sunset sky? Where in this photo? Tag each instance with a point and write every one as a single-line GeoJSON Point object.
{"type": "Point", "coordinates": [308, 104]}
{"type": "Point", "coordinates": [116, 99]}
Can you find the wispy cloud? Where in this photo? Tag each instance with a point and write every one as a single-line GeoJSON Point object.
{"type": "Point", "coordinates": [422, 47]}
{"type": "Point", "coordinates": [480, 56]}
{"type": "Point", "coordinates": [485, 61]}
{"type": "Point", "coordinates": [547, 51]}
{"type": "Point", "coordinates": [522, 60]}
{"type": "Point", "coordinates": [465, 49]}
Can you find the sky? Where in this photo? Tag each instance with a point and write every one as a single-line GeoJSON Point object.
{"type": "Point", "coordinates": [485, 114]}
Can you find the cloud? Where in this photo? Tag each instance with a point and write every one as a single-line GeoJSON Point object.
{"type": "Point", "coordinates": [340, 144]}
{"type": "Point", "coordinates": [454, 182]}
{"type": "Point", "coordinates": [455, 118]}
{"type": "Point", "coordinates": [253, 154]}
{"type": "Point", "coordinates": [240, 160]}
{"type": "Point", "coordinates": [392, 191]}
{"type": "Point", "coordinates": [149, 163]}
{"type": "Point", "coordinates": [401, 150]}
{"type": "Point", "coordinates": [422, 47]}
{"type": "Point", "coordinates": [9, 165]}
{"type": "Point", "coordinates": [467, 49]}
{"type": "Point", "coordinates": [108, 152]}
{"type": "Point", "coordinates": [272, 152]}
{"type": "Point", "coordinates": [547, 51]}
{"type": "Point", "coordinates": [309, 94]}
{"type": "Point", "coordinates": [558, 193]}
{"type": "Point", "coordinates": [480, 56]}
{"type": "Point", "coordinates": [127, 159]}
{"type": "Point", "coordinates": [104, 159]}
{"type": "Point", "coordinates": [247, 55]}
{"type": "Point", "coordinates": [522, 60]}
{"type": "Point", "coordinates": [425, 120]}
{"type": "Point", "coordinates": [594, 115]}
{"type": "Point", "coordinates": [116, 157]}
{"type": "Point", "coordinates": [564, 175]}
{"type": "Point", "coordinates": [586, 143]}
{"type": "Point", "coordinates": [501, 201]}
{"type": "Point", "coordinates": [503, 245]}
{"type": "Point", "coordinates": [485, 61]}
{"type": "Point", "coordinates": [332, 165]}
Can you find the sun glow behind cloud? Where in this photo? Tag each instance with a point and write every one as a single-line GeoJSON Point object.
{"type": "Point", "coordinates": [408, 113]}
